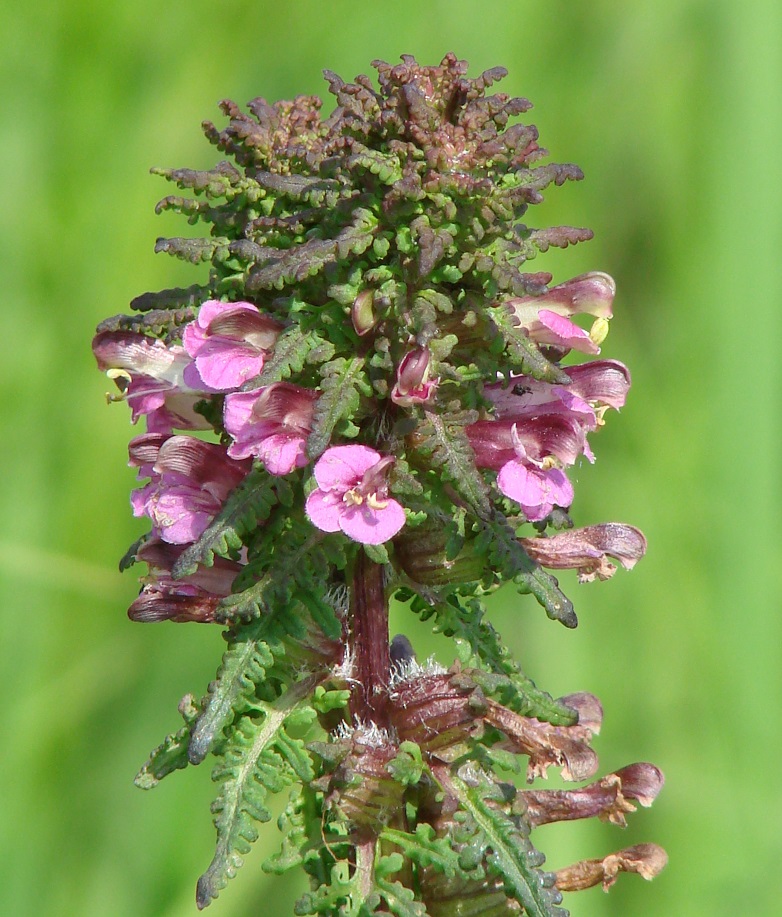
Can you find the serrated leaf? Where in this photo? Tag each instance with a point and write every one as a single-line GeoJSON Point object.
{"type": "Point", "coordinates": [465, 622]}
{"type": "Point", "coordinates": [259, 758]}
{"type": "Point", "coordinates": [243, 665]}
{"type": "Point", "coordinates": [408, 766]}
{"type": "Point", "coordinates": [289, 356]}
{"type": "Point", "coordinates": [169, 756]}
{"type": "Point", "coordinates": [342, 383]}
{"type": "Point", "coordinates": [425, 849]}
{"type": "Point", "coordinates": [450, 447]}
{"type": "Point", "coordinates": [509, 852]}
{"type": "Point", "coordinates": [247, 507]}
{"type": "Point", "coordinates": [523, 354]}
{"type": "Point", "coordinates": [513, 562]}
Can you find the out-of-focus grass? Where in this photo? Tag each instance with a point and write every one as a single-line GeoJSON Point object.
{"type": "Point", "coordinates": [672, 111]}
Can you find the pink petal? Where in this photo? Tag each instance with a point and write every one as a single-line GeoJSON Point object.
{"type": "Point", "coordinates": [213, 309]}
{"type": "Point", "coordinates": [340, 467]}
{"type": "Point", "coordinates": [563, 333]}
{"type": "Point", "coordinates": [238, 411]}
{"type": "Point", "coordinates": [180, 516]}
{"type": "Point", "coordinates": [558, 487]}
{"type": "Point", "coordinates": [372, 526]}
{"type": "Point", "coordinates": [282, 452]}
{"type": "Point", "coordinates": [324, 510]}
{"type": "Point", "coordinates": [519, 482]}
{"type": "Point", "coordinates": [224, 364]}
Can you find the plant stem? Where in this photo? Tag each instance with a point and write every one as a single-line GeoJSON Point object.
{"type": "Point", "coordinates": [368, 642]}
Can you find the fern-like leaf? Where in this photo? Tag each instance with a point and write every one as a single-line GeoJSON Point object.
{"type": "Point", "coordinates": [343, 382]}
{"type": "Point", "coordinates": [522, 352]}
{"type": "Point", "coordinates": [512, 561]}
{"type": "Point", "coordinates": [506, 846]}
{"type": "Point", "coordinates": [425, 849]}
{"type": "Point", "coordinates": [259, 758]}
{"type": "Point", "coordinates": [450, 447]}
{"type": "Point", "coordinates": [480, 646]}
{"type": "Point", "coordinates": [169, 756]}
{"type": "Point", "coordinates": [246, 508]}
{"type": "Point", "coordinates": [289, 355]}
{"type": "Point", "coordinates": [243, 666]}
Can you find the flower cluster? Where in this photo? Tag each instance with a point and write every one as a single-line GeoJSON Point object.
{"type": "Point", "coordinates": [371, 396]}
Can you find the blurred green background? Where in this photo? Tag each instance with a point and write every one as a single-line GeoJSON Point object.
{"type": "Point", "coordinates": [672, 109]}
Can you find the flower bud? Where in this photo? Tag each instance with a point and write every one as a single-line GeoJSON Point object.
{"type": "Point", "coordinates": [362, 312]}
{"type": "Point", "coordinates": [412, 378]}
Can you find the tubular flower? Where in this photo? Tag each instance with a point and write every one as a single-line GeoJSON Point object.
{"type": "Point", "coordinates": [352, 495]}
{"type": "Point", "coordinates": [271, 423]}
{"type": "Point", "coordinates": [150, 376]}
{"type": "Point", "coordinates": [228, 343]}
{"type": "Point", "coordinates": [546, 317]}
{"type": "Point", "coordinates": [190, 481]}
{"type": "Point", "coordinates": [536, 486]}
{"type": "Point", "coordinates": [413, 385]}
{"type": "Point", "coordinates": [190, 598]}
{"type": "Point", "coordinates": [587, 549]}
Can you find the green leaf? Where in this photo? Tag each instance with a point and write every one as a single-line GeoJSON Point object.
{"type": "Point", "coordinates": [508, 850]}
{"type": "Point", "coordinates": [425, 849]}
{"type": "Point", "coordinates": [449, 446]}
{"type": "Point", "coordinates": [513, 562]}
{"type": "Point", "coordinates": [481, 646]}
{"type": "Point", "coordinates": [342, 383]}
{"type": "Point", "coordinates": [523, 354]}
{"type": "Point", "coordinates": [247, 507]}
{"type": "Point", "coordinates": [169, 756]}
{"type": "Point", "coordinates": [289, 356]}
{"type": "Point", "coordinates": [259, 758]}
{"type": "Point", "coordinates": [243, 666]}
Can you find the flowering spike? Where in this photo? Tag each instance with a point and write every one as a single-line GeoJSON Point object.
{"type": "Point", "coordinates": [378, 378]}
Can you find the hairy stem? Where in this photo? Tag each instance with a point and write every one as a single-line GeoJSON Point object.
{"type": "Point", "coordinates": [368, 642]}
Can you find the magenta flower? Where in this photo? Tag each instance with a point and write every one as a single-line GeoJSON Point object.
{"type": "Point", "coordinates": [537, 486]}
{"type": "Point", "coordinates": [352, 495]}
{"type": "Point", "coordinates": [228, 342]}
{"type": "Point", "coordinates": [550, 420]}
{"type": "Point", "coordinates": [271, 423]}
{"type": "Point", "coordinates": [547, 317]}
{"type": "Point", "coordinates": [413, 385]}
{"type": "Point", "coordinates": [190, 482]}
{"type": "Point", "coordinates": [150, 376]}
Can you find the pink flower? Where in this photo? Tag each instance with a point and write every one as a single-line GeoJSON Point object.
{"type": "Point", "coordinates": [547, 317]}
{"type": "Point", "coordinates": [190, 482]}
{"type": "Point", "coordinates": [352, 495]}
{"type": "Point", "coordinates": [549, 420]}
{"type": "Point", "coordinates": [537, 486]}
{"type": "Point", "coordinates": [271, 423]}
{"type": "Point", "coordinates": [228, 342]}
{"type": "Point", "coordinates": [412, 378]}
{"type": "Point", "coordinates": [150, 376]}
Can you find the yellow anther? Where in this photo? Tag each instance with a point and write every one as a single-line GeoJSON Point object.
{"type": "Point", "coordinates": [353, 497]}
{"type": "Point", "coordinates": [374, 503]}
{"type": "Point", "coordinates": [599, 331]}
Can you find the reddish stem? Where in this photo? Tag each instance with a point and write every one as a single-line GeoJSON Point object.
{"type": "Point", "coordinates": [368, 642]}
